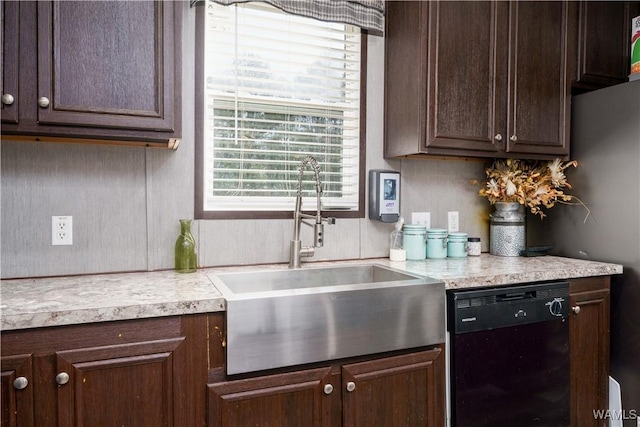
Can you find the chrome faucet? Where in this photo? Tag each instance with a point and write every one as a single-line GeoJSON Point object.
{"type": "Point", "coordinates": [296, 250]}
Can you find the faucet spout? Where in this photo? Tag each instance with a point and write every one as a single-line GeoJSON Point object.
{"type": "Point", "coordinates": [296, 250]}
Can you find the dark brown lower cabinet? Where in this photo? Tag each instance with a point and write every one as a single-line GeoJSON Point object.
{"type": "Point", "coordinates": [589, 349]}
{"type": "Point", "coordinates": [290, 399]}
{"type": "Point", "coordinates": [404, 390]}
{"type": "Point", "coordinates": [165, 371]}
{"type": "Point", "coordinates": [16, 407]}
{"type": "Point", "coordinates": [133, 373]}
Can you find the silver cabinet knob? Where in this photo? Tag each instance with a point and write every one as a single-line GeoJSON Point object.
{"type": "Point", "coordinates": [351, 386]}
{"type": "Point", "coordinates": [62, 378]}
{"type": "Point", "coordinates": [498, 137]}
{"type": "Point", "coordinates": [576, 309]}
{"type": "Point", "coordinates": [513, 138]}
{"type": "Point", "coordinates": [328, 389]}
{"type": "Point", "coordinates": [43, 101]}
{"type": "Point", "coordinates": [20, 383]}
{"type": "Point", "coordinates": [7, 99]}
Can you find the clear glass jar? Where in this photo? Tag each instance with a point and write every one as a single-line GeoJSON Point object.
{"type": "Point", "coordinates": [396, 246]}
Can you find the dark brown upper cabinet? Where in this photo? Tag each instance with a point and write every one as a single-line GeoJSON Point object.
{"type": "Point", "coordinates": [97, 72]}
{"type": "Point", "coordinates": [478, 79]}
{"type": "Point", "coordinates": [9, 58]}
{"type": "Point", "coordinates": [604, 39]}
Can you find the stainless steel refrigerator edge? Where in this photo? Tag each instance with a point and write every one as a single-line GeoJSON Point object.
{"type": "Point", "coordinates": [606, 143]}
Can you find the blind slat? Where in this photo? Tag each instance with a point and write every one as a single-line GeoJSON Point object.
{"type": "Point", "coordinates": [279, 87]}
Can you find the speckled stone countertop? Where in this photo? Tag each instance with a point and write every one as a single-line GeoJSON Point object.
{"type": "Point", "coordinates": [30, 303]}
{"type": "Point", "coordinates": [488, 270]}
{"type": "Point", "coordinates": [40, 302]}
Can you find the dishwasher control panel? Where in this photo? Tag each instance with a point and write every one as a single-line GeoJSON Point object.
{"type": "Point", "coordinates": [490, 308]}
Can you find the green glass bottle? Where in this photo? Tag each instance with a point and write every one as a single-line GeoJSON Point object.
{"type": "Point", "coordinates": [186, 255]}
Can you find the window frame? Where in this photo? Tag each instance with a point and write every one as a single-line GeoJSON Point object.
{"type": "Point", "coordinates": [199, 211]}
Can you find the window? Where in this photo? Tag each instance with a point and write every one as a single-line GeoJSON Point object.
{"type": "Point", "coordinates": [277, 87]}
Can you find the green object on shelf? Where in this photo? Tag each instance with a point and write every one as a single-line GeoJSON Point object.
{"type": "Point", "coordinates": [635, 45]}
{"type": "Point", "coordinates": [186, 254]}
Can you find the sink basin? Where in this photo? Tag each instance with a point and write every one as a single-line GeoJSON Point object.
{"type": "Point", "coordinates": [237, 284]}
{"type": "Point", "coordinates": [280, 318]}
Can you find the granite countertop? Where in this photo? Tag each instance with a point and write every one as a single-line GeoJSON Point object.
{"type": "Point", "coordinates": [488, 270]}
{"type": "Point", "coordinates": [31, 303]}
{"type": "Point", "coordinates": [40, 302]}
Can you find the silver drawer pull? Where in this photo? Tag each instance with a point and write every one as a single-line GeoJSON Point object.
{"type": "Point", "coordinates": [62, 378]}
{"type": "Point", "coordinates": [20, 383]}
{"type": "Point", "coordinates": [7, 99]}
{"type": "Point", "coordinates": [43, 101]}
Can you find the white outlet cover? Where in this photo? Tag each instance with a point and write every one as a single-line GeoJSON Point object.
{"type": "Point", "coordinates": [422, 218]}
{"type": "Point", "coordinates": [62, 230]}
{"type": "Point", "coordinates": [453, 222]}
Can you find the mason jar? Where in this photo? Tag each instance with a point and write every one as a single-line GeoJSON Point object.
{"type": "Point", "coordinates": [457, 245]}
{"type": "Point", "coordinates": [414, 241]}
{"type": "Point", "coordinates": [436, 243]}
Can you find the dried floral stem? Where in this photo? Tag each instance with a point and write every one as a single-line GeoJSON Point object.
{"type": "Point", "coordinates": [534, 184]}
{"type": "Point", "coordinates": [580, 203]}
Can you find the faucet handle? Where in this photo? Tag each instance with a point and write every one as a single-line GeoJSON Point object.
{"type": "Point", "coordinates": [318, 231]}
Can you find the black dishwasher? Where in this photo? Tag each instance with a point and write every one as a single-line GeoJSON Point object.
{"type": "Point", "coordinates": [509, 361]}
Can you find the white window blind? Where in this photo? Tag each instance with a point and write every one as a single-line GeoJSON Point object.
{"type": "Point", "coordinates": [279, 87]}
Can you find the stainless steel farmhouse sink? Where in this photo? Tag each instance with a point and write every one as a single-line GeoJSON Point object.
{"type": "Point", "coordinates": [279, 318]}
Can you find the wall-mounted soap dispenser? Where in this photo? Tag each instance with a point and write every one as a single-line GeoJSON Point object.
{"type": "Point", "coordinates": [384, 195]}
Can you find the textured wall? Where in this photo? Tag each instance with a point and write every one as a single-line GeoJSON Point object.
{"type": "Point", "coordinates": [126, 202]}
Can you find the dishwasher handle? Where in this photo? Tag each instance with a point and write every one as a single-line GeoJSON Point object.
{"type": "Point", "coordinates": [515, 296]}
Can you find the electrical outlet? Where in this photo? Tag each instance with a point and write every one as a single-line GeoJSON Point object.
{"type": "Point", "coordinates": [62, 230]}
{"type": "Point", "coordinates": [421, 218]}
{"type": "Point", "coordinates": [453, 223]}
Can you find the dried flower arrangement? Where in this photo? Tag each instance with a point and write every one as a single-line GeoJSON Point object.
{"type": "Point", "coordinates": [534, 184]}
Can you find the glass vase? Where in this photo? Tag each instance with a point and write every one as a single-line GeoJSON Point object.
{"type": "Point", "coordinates": [186, 254]}
{"type": "Point", "coordinates": [507, 229]}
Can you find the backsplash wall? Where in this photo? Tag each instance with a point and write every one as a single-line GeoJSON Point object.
{"type": "Point", "coordinates": [126, 202]}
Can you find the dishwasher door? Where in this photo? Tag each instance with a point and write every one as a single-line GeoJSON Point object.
{"type": "Point", "coordinates": [510, 356]}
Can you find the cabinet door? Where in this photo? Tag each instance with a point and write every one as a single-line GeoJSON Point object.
{"type": "Point", "coordinates": [142, 374]}
{"type": "Point", "coordinates": [589, 349]}
{"type": "Point", "coordinates": [405, 77]}
{"type": "Point", "coordinates": [16, 407]}
{"type": "Point", "coordinates": [282, 400]}
{"type": "Point", "coordinates": [540, 78]}
{"type": "Point", "coordinates": [9, 57]}
{"type": "Point", "coordinates": [407, 390]}
{"type": "Point", "coordinates": [467, 63]}
{"type": "Point", "coordinates": [106, 64]}
{"type": "Point", "coordinates": [604, 34]}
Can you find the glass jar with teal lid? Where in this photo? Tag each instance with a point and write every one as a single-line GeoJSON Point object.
{"type": "Point", "coordinates": [415, 241]}
{"type": "Point", "coordinates": [457, 246]}
{"type": "Point", "coordinates": [436, 243]}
